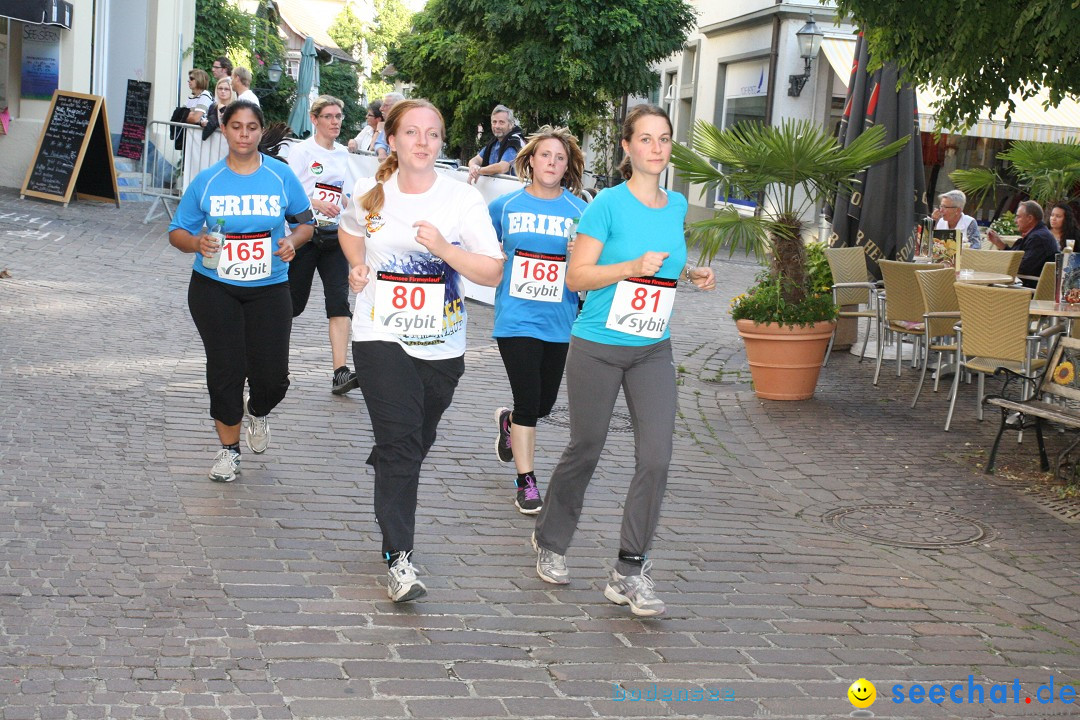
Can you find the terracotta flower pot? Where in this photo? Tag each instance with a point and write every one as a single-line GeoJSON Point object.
{"type": "Point", "coordinates": [784, 361]}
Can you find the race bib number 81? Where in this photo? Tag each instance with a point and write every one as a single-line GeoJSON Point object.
{"type": "Point", "coordinates": [409, 304]}
{"type": "Point", "coordinates": [642, 306]}
{"type": "Point", "coordinates": [245, 256]}
{"type": "Point", "coordinates": [537, 276]}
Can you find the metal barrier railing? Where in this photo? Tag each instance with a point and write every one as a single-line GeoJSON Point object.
{"type": "Point", "coordinates": [165, 172]}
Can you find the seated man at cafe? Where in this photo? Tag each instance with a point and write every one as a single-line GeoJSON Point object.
{"type": "Point", "coordinates": [1038, 243]}
{"type": "Point", "coordinates": [950, 215]}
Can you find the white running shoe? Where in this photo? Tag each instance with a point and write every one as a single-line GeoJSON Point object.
{"type": "Point", "coordinates": [226, 466]}
{"type": "Point", "coordinates": [635, 591]}
{"type": "Point", "coordinates": [258, 431]}
{"type": "Point", "coordinates": [550, 565]}
{"type": "Point", "coordinates": [401, 582]}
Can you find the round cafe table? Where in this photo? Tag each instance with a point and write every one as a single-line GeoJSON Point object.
{"type": "Point", "coordinates": [977, 277]}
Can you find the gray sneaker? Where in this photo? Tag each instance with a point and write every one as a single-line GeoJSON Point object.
{"type": "Point", "coordinates": [550, 565]}
{"type": "Point", "coordinates": [635, 591]}
{"type": "Point", "coordinates": [258, 431]}
{"type": "Point", "coordinates": [401, 582]}
{"type": "Point", "coordinates": [226, 466]}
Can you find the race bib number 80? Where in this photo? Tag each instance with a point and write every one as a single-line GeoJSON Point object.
{"type": "Point", "coordinates": [642, 306]}
{"type": "Point", "coordinates": [409, 304]}
{"type": "Point", "coordinates": [537, 276]}
{"type": "Point", "coordinates": [245, 256]}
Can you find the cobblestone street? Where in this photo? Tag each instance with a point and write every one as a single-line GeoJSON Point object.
{"type": "Point", "coordinates": [133, 587]}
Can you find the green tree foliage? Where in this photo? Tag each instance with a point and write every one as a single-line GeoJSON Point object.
{"type": "Point", "coordinates": [551, 60]}
{"type": "Point", "coordinates": [392, 18]}
{"type": "Point", "coordinates": [251, 41]}
{"type": "Point", "coordinates": [977, 51]}
{"type": "Point", "coordinates": [340, 80]}
{"type": "Point", "coordinates": [1045, 172]}
{"type": "Point", "coordinates": [220, 29]}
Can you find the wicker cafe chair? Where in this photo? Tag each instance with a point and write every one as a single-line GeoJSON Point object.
{"type": "Point", "coordinates": [1004, 262]}
{"type": "Point", "coordinates": [903, 307]}
{"type": "Point", "coordinates": [994, 333]}
{"type": "Point", "coordinates": [851, 286]}
{"type": "Point", "coordinates": [1044, 289]}
{"type": "Point", "coordinates": [942, 312]}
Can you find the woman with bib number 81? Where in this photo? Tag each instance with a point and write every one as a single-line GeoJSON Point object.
{"type": "Point", "coordinates": [630, 254]}
{"type": "Point", "coordinates": [410, 235]}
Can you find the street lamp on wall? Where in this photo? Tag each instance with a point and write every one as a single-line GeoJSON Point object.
{"type": "Point", "coordinates": [809, 37]}
{"type": "Point", "coordinates": [273, 77]}
{"type": "Point", "coordinates": [273, 73]}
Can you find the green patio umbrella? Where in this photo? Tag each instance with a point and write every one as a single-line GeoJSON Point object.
{"type": "Point", "coordinates": [300, 117]}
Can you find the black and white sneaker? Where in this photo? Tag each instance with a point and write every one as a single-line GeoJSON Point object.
{"type": "Point", "coordinates": [344, 381]}
{"type": "Point", "coordinates": [503, 450]}
{"type": "Point", "coordinates": [401, 582]}
{"type": "Point", "coordinates": [528, 500]}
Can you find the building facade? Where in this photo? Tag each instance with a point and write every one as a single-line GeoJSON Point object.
{"type": "Point", "coordinates": [103, 45]}
{"type": "Point", "coordinates": [739, 62]}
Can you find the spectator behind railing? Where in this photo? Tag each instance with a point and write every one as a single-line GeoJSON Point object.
{"type": "Point", "coordinates": [222, 68]}
{"type": "Point", "coordinates": [365, 140]}
{"type": "Point", "coordinates": [201, 99]}
{"type": "Point", "coordinates": [241, 82]}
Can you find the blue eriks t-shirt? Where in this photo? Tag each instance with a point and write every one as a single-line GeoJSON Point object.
{"type": "Point", "coordinates": [534, 225]}
{"type": "Point", "coordinates": [254, 203]}
{"type": "Point", "coordinates": [628, 230]}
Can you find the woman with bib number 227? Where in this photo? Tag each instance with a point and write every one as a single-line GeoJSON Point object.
{"type": "Point", "coordinates": [630, 254]}
{"type": "Point", "coordinates": [410, 235]}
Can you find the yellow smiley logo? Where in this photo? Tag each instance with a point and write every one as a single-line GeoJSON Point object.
{"type": "Point", "coordinates": [862, 693]}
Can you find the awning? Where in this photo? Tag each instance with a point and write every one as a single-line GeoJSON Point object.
{"type": "Point", "coordinates": [38, 12]}
{"type": "Point", "coordinates": [1029, 121]}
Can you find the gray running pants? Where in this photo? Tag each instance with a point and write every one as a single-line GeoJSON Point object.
{"type": "Point", "coordinates": [594, 374]}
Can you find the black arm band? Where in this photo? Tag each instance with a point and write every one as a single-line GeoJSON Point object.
{"type": "Point", "coordinates": [300, 218]}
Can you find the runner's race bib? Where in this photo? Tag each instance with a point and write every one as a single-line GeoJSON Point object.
{"type": "Point", "coordinates": [537, 276]}
{"type": "Point", "coordinates": [642, 306]}
{"type": "Point", "coordinates": [330, 194]}
{"type": "Point", "coordinates": [409, 304]}
{"type": "Point", "coordinates": [245, 256]}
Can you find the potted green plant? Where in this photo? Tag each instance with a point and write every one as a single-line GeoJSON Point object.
{"type": "Point", "coordinates": [790, 168]}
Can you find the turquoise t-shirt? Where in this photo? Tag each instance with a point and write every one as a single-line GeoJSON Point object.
{"type": "Point", "coordinates": [628, 229]}
{"type": "Point", "coordinates": [253, 204]}
{"type": "Point", "coordinates": [534, 226]}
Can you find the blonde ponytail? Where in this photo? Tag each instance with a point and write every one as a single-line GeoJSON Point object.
{"type": "Point", "coordinates": [372, 200]}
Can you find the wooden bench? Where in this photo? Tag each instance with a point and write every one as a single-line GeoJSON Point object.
{"type": "Point", "coordinates": [1053, 396]}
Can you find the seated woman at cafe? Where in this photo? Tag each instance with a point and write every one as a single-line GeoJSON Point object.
{"type": "Point", "coordinates": [949, 215]}
{"type": "Point", "coordinates": [1063, 224]}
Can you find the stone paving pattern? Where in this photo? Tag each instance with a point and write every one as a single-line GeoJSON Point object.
{"type": "Point", "coordinates": [132, 587]}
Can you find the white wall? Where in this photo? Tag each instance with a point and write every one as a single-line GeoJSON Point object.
{"type": "Point", "coordinates": [155, 25]}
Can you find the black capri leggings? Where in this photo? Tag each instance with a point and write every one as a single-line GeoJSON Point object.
{"type": "Point", "coordinates": [333, 269]}
{"type": "Point", "coordinates": [534, 369]}
{"type": "Point", "coordinates": [245, 332]}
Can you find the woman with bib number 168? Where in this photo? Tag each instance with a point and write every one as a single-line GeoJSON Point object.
{"type": "Point", "coordinates": [410, 235]}
{"type": "Point", "coordinates": [630, 254]}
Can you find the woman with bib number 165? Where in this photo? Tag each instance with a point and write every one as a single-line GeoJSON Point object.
{"type": "Point", "coordinates": [630, 254]}
{"type": "Point", "coordinates": [239, 290]}
{"type": "Point", "coordinates": [410, 235]}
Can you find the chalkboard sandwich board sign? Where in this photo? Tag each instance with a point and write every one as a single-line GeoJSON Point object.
{"type": "Point", "coordinates": [136, 113]}
{"type": "Point", "coordinates": [74, 152]}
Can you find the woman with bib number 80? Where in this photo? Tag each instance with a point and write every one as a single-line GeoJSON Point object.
{"type": "Point", "coordinates": [410, 235]}
{"type": "Point", "coordinates": [630, 254]}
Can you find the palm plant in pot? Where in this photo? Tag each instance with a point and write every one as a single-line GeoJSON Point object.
{"type": "Point", "coordinates": [791, 168]}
